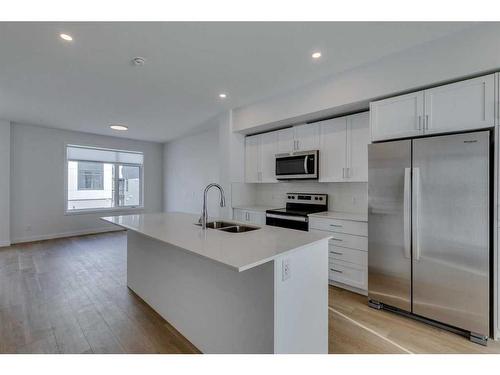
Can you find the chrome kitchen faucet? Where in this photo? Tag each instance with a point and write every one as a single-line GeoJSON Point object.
{"type": "Point", "coordinates": [204, 214]}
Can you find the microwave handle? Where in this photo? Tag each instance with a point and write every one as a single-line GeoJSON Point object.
{"type": "Point", "coordinates": [305, 164]}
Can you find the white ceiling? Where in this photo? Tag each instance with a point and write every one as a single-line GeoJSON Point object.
{"type": "Point", "coordinates": [89, 83]}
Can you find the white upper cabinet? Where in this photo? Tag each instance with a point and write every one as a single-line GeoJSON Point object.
{"type": "Point", "coordinates": [332, 151]}
{"type": "Point", "coordinates": [397, 117]}
{"type": "Point", "coordinates": [463, 105]}
{"type": "Point", "coordinates": [344, 148]}
{"type": "Point", "coordinates": [358, 138]}
{"type": "Point", "coordinates": [286, 141]}
{"type": "Point", "coordinates": [458, 106]}
{"type": "Point", "coordinates": [298, 138]}
{"type": "Point", "coordinates": [342, 144]}
{"type": "Point", "coordinates": [306, 137]}
{"type": "Point", "coordinates": [260, 151]}
{"type": "Point", "coordinates": [252, 158]}
{"type": "Point", "coordinates": [268, 151]}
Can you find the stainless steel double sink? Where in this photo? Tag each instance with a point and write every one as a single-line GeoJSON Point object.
{"type": "Point", "coordinates": [229, 227]}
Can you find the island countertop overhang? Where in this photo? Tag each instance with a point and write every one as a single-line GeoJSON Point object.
{"type": "Point", "coordinates": [240, 251]}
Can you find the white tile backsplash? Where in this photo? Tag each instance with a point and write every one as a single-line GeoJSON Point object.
{"type": "Point", "coordinates": [342, 196]}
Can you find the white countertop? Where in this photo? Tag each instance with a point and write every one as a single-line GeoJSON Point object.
{"type": "Point", "coordinates": [341, 215]}
{"type": "Point", "coordinates": [240, 251]}
{"type": "Point", "coordinates": [254, 208]}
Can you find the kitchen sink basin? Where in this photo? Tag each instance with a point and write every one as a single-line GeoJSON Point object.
{"type": "Point", "coordinates": [238, 229]}
{"type": "Point", "coordinates": [218, 224]}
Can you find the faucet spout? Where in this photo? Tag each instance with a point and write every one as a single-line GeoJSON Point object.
{"type": "Point", "coordinates": [204, 214]}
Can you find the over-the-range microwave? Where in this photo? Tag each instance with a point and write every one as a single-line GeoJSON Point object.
{"type": "Point", "coordinates": [301, 165]}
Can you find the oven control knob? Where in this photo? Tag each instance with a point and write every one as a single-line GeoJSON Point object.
{"type": "Point", "coordinates": [320, 198]}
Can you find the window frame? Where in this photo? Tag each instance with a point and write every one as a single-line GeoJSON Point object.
{"type": "Point", "coordinates": [116, 165]}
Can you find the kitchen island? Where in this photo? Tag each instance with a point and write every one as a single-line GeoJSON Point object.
{"type": "Point", "coordinates": [261, 291]}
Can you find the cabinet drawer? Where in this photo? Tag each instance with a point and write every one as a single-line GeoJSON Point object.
{"type": "Point", "coordinates": [350, 241]}
{"type": "Point", "coordinates": [341, 226]}
{"type": "Point", "coordinates": [344, 254]}
{"type": "Point", "coordinates": [343, 273]}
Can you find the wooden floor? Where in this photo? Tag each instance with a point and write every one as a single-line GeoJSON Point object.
{"type": "Point", "coordinates": [70, 296]}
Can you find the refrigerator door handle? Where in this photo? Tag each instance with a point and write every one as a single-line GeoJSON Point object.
{"type": "Point", "coordinates": [407, 213]}
{"type": "Point", "coordinates": [416, 214]}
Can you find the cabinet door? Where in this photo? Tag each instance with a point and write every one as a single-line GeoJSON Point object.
{"type": "Point", "coordinates": [306, 137]}
{"type": "Point", "coordinates": [397, 117]}
{"type": "Point", "coordinates": [462, 105]}
{"type": "Point", "coordinates": [358, 137]}
{"type": "Point", "coordinates": [252, 158]}
{"type": "Point", "coordinates": [286, 142]}
{"type": "Point", "coordinates": [268, 151]}
{"type": "Point", "coordinates": [332, 151]}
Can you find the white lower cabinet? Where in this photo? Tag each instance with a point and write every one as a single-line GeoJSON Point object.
{"type": "Point", "coordinates": [347, 251]}
{"type": "Point", "coordinates": [350, 274]}
{"type": "Point", "coordinates": [250, 216]}
{"type": "Point", "coordinates": [348, 255]}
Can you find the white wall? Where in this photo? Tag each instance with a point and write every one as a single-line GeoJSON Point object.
{"type": "Point", "coordinates": [4, 183]}
{"type": "Point", "coordinates": [471, 51]}
{"type": "Point", "coordinates": [215, 154]}
{"type": "Point", "coordinates": [190, 164]}
{"type": "Point", "coordinates": [37, 181]}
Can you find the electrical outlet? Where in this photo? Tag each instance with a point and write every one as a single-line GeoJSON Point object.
{"type": "Point", "coordinates": [285, 269]}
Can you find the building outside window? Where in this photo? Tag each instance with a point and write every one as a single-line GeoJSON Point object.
{"type": "Point", "coordinates": [90, 176]}
{"type": "Point", "coordinates": [100, 179]}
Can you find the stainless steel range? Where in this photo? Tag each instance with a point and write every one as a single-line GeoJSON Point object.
{"type": "Point", "coordinates": [298, 206]}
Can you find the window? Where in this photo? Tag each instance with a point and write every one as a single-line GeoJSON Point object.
{"type": "Point", "coordinates": [90, 176]}
{"type": "Point", "coordinates": [100, 179]}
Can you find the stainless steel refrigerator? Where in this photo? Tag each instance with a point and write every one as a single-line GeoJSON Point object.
{"type": "Point", "coordinates": [429, 229]}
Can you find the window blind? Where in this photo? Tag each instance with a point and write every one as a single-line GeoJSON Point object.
{"type": "Point", "coordinates": [82, 153]}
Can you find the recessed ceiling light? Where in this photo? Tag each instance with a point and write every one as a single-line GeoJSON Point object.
{"type": "Point", "coordinates": [119, 127]}
{"type": "Point", "coordinates": [316, 55]}
{"type": "Point", "coordinates": [66, 37]}
{"type": "Point", "coordinates": [138, 61]}
{"type": "Point", "coordinates": [223, 96]}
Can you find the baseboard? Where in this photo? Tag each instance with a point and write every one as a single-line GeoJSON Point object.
{"type": "Point", "coordinates": [5, 243]}
{"type": "Point", "coordinates": [66, 234]}
{"type": "Point", "coordinates": [348, 287]}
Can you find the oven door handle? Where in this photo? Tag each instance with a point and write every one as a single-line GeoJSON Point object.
{"type": "Point", "coordinates": [288, 217]}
